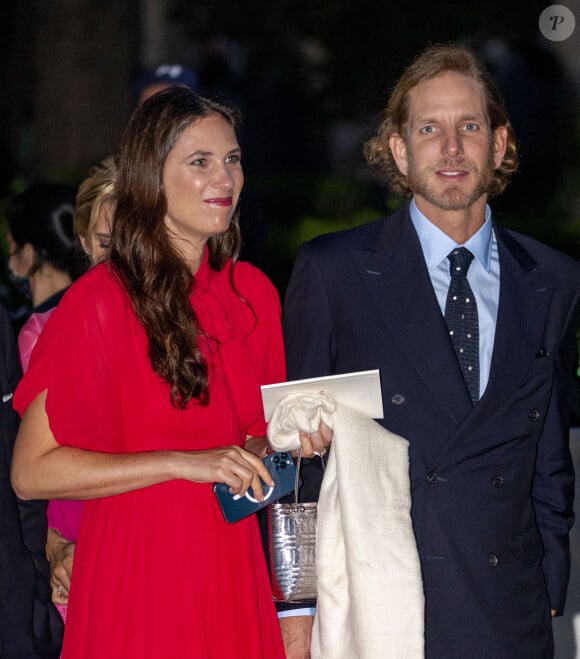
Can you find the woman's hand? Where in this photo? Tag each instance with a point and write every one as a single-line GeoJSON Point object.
{"type": "Point", "coordinates": [232, 465]}
{"type": "Point", "coordinates": [316, 443]}
{"type": "Point", "coordinates": [60, 553]}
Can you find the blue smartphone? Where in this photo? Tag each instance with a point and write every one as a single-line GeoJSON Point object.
{"type": "Point", "coordinates": [235, 507]}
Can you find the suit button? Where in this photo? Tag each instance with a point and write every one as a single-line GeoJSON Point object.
{"type": "Point", "coordinates": [432, 477]}
{"type": "Point", "coordinates": [493, 560]}
{"type": "Point", "coordinates": [533, 415]}
{"type": "Point", "coordinates": [398, 399]}
{"type": "Point", "coordinates": [497, 481]}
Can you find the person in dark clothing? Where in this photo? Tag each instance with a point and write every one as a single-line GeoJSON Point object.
{"type": "Point", "coordinates": [30, 627]}
{"type": "Point", "coordinates": [473, 329]}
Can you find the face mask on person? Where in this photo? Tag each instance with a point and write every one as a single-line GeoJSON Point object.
{"type": "Point", "coordinates": [21, 284]}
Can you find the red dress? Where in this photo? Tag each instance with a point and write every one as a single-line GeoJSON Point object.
{"type": "Point", "coordinates": [158, 573]}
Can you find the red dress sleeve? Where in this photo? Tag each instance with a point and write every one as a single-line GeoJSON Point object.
{"type": "Point", "coordinates": [75, 360]}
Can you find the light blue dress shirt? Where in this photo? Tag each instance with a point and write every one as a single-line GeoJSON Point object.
{"type": "Point", "coordinates": [483, 276]}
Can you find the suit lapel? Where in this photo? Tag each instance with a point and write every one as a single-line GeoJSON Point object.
{"type": "Point", "coordinates": [525, 295]}
{"type": "Point", "coordinates": [395, 274]}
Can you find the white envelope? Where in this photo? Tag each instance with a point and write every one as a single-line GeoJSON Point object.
{"type": "Point", "coordinates": [361, 391]}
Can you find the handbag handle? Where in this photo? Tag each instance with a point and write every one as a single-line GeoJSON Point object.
{"type": "Point", "coordinates": [297, 476]}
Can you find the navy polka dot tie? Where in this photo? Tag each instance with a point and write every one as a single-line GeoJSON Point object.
{"type": "Point", "coordinates": [461, 319]}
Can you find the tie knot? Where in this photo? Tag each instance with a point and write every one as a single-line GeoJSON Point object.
{"type": "Point", "coordinates": [459, 261]}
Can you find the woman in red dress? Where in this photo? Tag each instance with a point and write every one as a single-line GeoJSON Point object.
{"type": "Point", "coordinates": [143, 390]}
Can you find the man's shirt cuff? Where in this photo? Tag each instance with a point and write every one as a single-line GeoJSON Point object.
{"type": "Point", "coordinates": [310, 611]}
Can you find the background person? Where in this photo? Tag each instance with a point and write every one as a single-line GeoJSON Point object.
{"type": "Point", "coordinates": [30, 627]}
{"type": "Point", "coordinates": [491, 474]}
{"type": "Point", "coordinates": [95, 208]}
{"type": "Point", "coordinates": [174, 340]}
{"type": "Point", "coordinates": [44, 254]}
{"type": "Point", "coordinates": [45, 258]}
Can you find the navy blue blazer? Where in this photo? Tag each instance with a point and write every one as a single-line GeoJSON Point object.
{"type": "Point", "coordinates": [30, 626]}
{"type": "Point", "coordinates": [492, 484]}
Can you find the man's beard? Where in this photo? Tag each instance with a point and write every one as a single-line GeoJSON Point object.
{"type": "Point", "coordinates": [451, 198]}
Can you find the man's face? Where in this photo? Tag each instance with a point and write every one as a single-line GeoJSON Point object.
{"type": "Point", "coordinates": [448, 153]}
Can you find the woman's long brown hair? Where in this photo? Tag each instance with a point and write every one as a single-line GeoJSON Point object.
{"type": "Point", "coordinates": [157, 280]}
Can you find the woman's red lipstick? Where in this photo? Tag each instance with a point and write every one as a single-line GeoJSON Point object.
{"type": "Point", "coordinates": [219, 201]}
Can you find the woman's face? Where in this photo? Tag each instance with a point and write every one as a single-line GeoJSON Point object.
{"type": "Point", "coordinates": [99, 236]}
{"type": "Point", "coordinates": [202, 178]}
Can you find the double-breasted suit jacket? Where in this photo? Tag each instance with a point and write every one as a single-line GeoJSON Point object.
{"type": "Point", "coordinates": [492, 484]}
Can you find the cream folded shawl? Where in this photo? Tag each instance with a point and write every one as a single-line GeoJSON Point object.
{"type": "Point", "coordinates": [370, 594]}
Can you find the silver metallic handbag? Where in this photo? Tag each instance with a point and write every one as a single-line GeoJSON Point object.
{"type": "Point", "coordinates": [292, 543]}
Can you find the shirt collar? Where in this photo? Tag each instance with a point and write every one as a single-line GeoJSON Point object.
{"type": "Point", "coordinates": [436, 245]}
{"type": "Point", "coordinates": [50, 302]}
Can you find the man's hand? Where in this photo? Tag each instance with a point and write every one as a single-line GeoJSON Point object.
{"type": "Point", "coordinates": [60, 553]}
{"type": "Point", "coordinates": [296, 634]}
{"type": "Point", "coordinates": [316, 443]}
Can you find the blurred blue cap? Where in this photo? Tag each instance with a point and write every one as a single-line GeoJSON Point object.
{"type": "Point", "coordinates": [170, 74]}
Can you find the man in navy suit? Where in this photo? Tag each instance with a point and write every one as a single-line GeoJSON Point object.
{"type": "Point", "coordinates": [30, 626]}
{"type": "Point", "coordinates": [491, 474]}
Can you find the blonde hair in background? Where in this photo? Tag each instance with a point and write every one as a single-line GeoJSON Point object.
{"type": "Point", "coordinates": [98, 189]}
